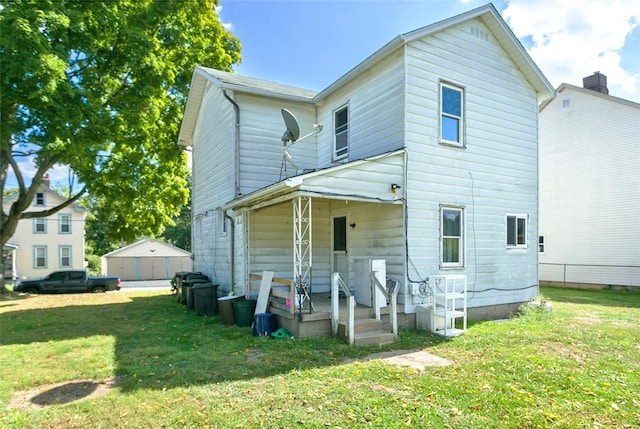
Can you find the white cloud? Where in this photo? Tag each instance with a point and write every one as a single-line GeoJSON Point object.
{"type": "Point", "coordinates": [226, 25]}
{"type": "Point", "coordinates": [571, 40]}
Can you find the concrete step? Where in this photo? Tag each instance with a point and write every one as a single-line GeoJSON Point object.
{"type": "Point", "coordinates": [379, 338]}
{"type": "Point", "coordinates": [361, 325]}
{"type": "Point", "coordinates": [367, 331]}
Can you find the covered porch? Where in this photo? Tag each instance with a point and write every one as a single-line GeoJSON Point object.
{"type": "Point", "coordinates": [307, 229]}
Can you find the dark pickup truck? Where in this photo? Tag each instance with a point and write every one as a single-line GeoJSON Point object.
{"type": "Point", "coordinates": [68, 281]}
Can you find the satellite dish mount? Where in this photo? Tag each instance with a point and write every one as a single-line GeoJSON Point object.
{"type": "Point", "coordinates": [291, 136]}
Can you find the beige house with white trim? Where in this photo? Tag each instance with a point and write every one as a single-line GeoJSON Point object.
{"type": "Point", "coordinates": [48, 244]}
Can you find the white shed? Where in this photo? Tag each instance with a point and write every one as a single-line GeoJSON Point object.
{"type": "Point", "coordinates": [148, 259]}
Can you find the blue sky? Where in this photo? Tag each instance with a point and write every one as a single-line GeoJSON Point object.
{"type": "Point", "coordinates": [311, 43]}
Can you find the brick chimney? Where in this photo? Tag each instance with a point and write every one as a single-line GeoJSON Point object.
{"type": "Point", "coordinates": [596, 82]}
{"type": "Point", "coordinates": [46, 181]}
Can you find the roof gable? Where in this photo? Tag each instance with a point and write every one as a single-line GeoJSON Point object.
{"type": "Point", "coordinates": [149, 247]}
{"type": "Point", "coordinates": [598, 95]}
{"type": "Point", "coordinates": [494, 22]}
{"type": "Point", "coordinates": [50, 195]}
{"type": "Point", "coordinates": [487, 14]}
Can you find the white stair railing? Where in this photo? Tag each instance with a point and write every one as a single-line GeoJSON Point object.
{"type": "Point", "coordinates": [393, 314]}
{"type": "Point", "coordinates": [338, 285]}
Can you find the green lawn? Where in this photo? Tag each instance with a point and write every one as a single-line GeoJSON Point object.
{"type": "Point", "coordinates": [575, 367]}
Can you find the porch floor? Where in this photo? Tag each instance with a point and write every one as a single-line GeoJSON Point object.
{"type": "Point", "coordinates": [322, 306]}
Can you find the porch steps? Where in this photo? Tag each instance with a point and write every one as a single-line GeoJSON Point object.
{"type": "Point", "coordinates": [367, 331]}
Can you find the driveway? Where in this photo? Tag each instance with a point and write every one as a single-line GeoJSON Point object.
{"type": "Point", "coordinates": [148, 285]}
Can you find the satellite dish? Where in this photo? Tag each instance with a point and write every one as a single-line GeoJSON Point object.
{"type": "Point", "coordinates": [293, 129]}
{"type": "Point", "coordinates": [292, 135]}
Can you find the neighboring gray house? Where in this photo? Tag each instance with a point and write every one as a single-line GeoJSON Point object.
{"type": "Point", "coordinates": [590, 187]}
{"type": "Point", "coordinates": [427, 159]}
{"type": "Point", "coordinates": [147, 259]}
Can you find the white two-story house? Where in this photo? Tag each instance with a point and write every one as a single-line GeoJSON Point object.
{"type": "Point", "coordinates": [43, 245]}
{"type": "Point", "coordinates": [425, 156]}
{"type": "Point", "coordinates": [589, 187]}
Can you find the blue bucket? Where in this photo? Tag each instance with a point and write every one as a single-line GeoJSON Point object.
{"type": "Point", "coordinates": [264, 324]}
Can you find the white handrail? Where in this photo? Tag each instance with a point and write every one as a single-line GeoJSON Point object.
{"type": "Point", "coordinates": [336, 285]}
{"type": "Point", "coordinates": [394, 302]}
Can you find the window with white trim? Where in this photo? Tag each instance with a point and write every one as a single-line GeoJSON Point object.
{"type": "Point", "coordinates": [516, 230]}
{"type": "Point", "coordinates": [541, 244]}
{"type": "Point", "coordinates": [39, 199]}
{"type": "Point", "coordinates": [451, 114]}
{"type": "Point", "coordinates": [40, 256]}
{"type": "Point", "coordinates": [40, 225]}
{"type": "Point", "coordinates": [222, 223]}
{"type": "Point", "coordinates": [341, 132]}
{"type": "Point", "coordinates": [64, 255]}
{"type": "Point", "coordinates": [197, 228]}
{"type": "Point", "coordinates": [64, 223]}
{"type": "Point", "coordinates": [451, 236]}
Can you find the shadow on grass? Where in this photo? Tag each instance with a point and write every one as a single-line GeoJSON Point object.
{"type": "Point", "coordinates": [159, 344]}
{"type": "Point", "coordinates": [608, 298]}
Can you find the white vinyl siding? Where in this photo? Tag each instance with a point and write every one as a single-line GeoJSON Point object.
{"type": "Point", "coordinates": [64, 257]}
{"type": "Point", "coordinates": [261, 147]}
{"type": "Point", "coordinates": [376, 113]}
{"type": "Point", "coordinates": [589, 157]}
{"type": "Point", "coordinates": [497, 174]}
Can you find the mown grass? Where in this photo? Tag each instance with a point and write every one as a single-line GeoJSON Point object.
{"type": "Point", "coordinates": [575, 367]}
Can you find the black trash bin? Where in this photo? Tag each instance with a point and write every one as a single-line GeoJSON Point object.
{"type": "Point", "coordinates": [205, 299]}
{"type": "Point", "coordinates": [177, 280]}
{"type": "Point", "coordinates": [187, 289]}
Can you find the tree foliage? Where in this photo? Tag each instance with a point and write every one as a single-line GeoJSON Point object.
{"type": "Point", "coordinates": [100, 87]}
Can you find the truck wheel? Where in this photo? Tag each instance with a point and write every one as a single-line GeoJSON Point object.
{"type": "Point", "coordinates": [99, 289]}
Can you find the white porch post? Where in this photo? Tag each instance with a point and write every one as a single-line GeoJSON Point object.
{"type": "Point", "coordinates": [302, 242]}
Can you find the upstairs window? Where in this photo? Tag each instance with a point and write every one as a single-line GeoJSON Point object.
{"type": "Point", "coordinates": [451, 115]}
{"type": "Point", "coordinates": [64, 224]}
{"type": "Point", "coordinates": [516, 230]}
{"type": "Point", "coordinates": [451, 237]}
{"type": "Point", "coordinates": [541, 244]}
{"type": "Point", "coordinates": [341, 133]}
{"type": "Point", "coordinates": [40, 225]}
{"type": "Point", "coordinates": [39, 200]}
{"type": "Point", "coordinates": [65, 256]}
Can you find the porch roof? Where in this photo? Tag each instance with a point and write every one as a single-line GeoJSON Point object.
{"type": "Point", "coordinates": [368, 179]}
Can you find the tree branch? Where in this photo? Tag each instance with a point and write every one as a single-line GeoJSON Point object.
{"type": "Point", "coordinates": [53, 210]}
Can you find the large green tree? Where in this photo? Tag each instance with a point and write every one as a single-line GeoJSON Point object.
{"type": "Point", "coordinates": [100, 86]}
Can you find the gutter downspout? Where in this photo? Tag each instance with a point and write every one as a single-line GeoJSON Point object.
{"type": "Point", "coordinates": [236, 184]}
{"type": "Point", "coordinates": [232, 236]}
{"type": "Point", "coordinates": [236, 155]}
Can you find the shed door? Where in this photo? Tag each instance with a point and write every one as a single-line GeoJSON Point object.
{"type": "Point", "coordinates": [340, 260]}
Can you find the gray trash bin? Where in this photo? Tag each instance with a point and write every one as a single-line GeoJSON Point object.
{"type": "Point", "coordinates": [187, 289]}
